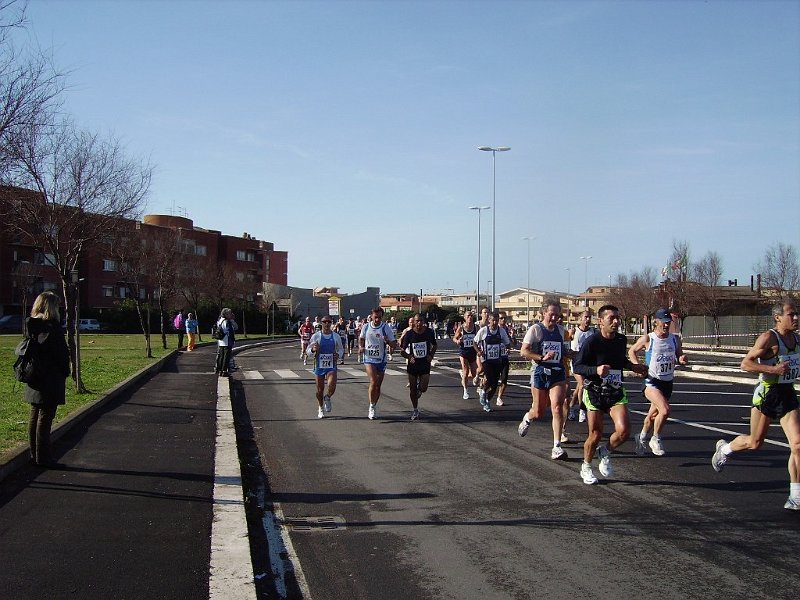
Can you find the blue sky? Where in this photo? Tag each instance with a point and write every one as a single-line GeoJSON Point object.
{"type": "Point", "coordinates": [347, 132]}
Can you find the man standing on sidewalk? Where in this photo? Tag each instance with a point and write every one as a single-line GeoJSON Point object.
{"type": "Point", "coordinates": [776, 358]}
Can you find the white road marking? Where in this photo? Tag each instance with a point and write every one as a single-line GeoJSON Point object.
{"type": "Point", "coordinates": [354, 372]}
{"type": "Point", "coordinates": [286, 374]}
{"type": "Point", "coordinates": [252, 375]}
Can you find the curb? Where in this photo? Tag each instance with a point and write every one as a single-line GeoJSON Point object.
{"type": "Point", "coordinates": [18, 456]}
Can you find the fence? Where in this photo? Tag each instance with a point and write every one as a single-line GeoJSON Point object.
{"type": "Point", "coordinates": [735, 332]}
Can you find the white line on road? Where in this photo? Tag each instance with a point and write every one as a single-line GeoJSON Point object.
{"type": "Point", "coordinates": [252, 375]}
{"type": "Point", "coordinates": [286, 374]}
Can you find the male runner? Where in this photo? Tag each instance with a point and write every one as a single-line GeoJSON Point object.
{"type": "Point", "coordinates": [501, 388]}
{"type": "Point", "coordinates": [375, 337]}
{"type": "Point", "coordinates": [393, 325]}
{"type": "Point", "coordinates": [662, 351]}
{"type": "Point", "coordinates": [544, 346]}
{"type": "Point", "coordinates": [489, 343]}
{"type": "Point", "coordinates": [464, 336]}
{"type": "Point", "coordinates": [601, 360]}
{"type": "Point", "coordinates": [418, 345]}
{"type": "Point", "coordinates": [341, 329]}
{"type": "Point", "coordinates": [305, 331]}
{"type": "Point", "coordinates": [325, 344]}
{"type": "Point", "coordinates": [582, 331]}
{"type": "Point", "coordinates": [776, 358]}
{"type": "Point", "coordinates": [351, 336]}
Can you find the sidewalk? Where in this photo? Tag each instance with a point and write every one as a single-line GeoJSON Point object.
{"type": "Point", "coordinates": [130, 515]}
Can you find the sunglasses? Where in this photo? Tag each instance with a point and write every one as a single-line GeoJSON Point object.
{"type": "Point", "coordinates": [326, 321]}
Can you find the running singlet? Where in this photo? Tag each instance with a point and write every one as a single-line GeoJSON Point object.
{"type": "Point", "coordinates": [785, 355]}
{"type": "Point", "coordinates": [326, 353]}
{"type": "Point", "coordinates": [375, 339]}
{"type": "Point", "coordinates": [579, 337]}
{"type": "Point", "coordinates": [466, 347]}
{"type": "Point", "coordinates": [493, 345]}
{"type": "Point", "coordinates": [305, 333]}
{"type": "Point", "coordinates": [660, 357]}
{"type": "Point", "coordinates": [547, 340]}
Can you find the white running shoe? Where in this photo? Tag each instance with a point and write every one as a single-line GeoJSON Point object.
{"type": "Point", "coordinates": [305, 359]}
{"type": "Point", "coordinates": [792, 504]}
{"type": "Point", "coordinates": [640, 448]}
{"type": "Point", "coordinates": [466, 395]}
{"type": "Point", "coordinates": [523, 427]}
{"type": "Point", "coordinates": [582, 416]}
{"type": "Point", "coordinates": [487, 407]}
{"type": "Point", "coordinates": [587, 475]}
{"type": "Point", "coordinates": [475, 380]}
{"type": "Point", "coordinates": [414, 414]}
{"type": "Point", "coordinates": [564, 438]}
{"type": "Point", "coordinates": [372, 414]}
{"type": "Point", "coordinates": [558, 453]}
{"type": "Point", "coordinates": [656, 447]}
{"type": "Point", "coordinates": [606, 469]}
{"type": "Point", "coordinates": [389, 357]}
{"type": "Point", "coordinates": [326, 403]}
{"type": "Point", "coordinates": [500, 402]}
{"type": "Point", "coordinates": [320, 414]}
{"type": "Point", "coordinates": [719, 459]}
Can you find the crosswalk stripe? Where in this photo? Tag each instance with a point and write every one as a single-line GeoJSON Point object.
{"type": "Point", "coordinates": [353, 372]}
{"type": "Point", "coordinates": [253, 375]}
{"type": "Point", "coordinates": [394, 372]}
{"type": "Point", "coordinates": [286, 374]}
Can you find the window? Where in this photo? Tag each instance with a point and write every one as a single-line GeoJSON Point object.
{"type": "Point", "coordinates": [239, 276]}
{"type": "Point", "coordinates": [142, 294]}
{"type": "Point", "coordinates": [109, 265]}
{"type": "Point", "coordinates": [49, 285]}
{"type": "Point", "coordinates": [247, 255]}
{"type": "Point", "coordinates": [200, 250]}
{"type": "Point", "coordinates": [123, 292]}
{"type": "Point", "coordinates": [108, 291]}
{"type": "Point", "coordinates": [43, 258]}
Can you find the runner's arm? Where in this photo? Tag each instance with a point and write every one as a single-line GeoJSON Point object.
{"type": "Point", "coordinates": [638, 346]}
{"type": "Point", "coordinates": [766, 347]}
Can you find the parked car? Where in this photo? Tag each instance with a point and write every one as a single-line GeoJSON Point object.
{"type": "Point", "coordinates": [89, 325]}
{"type": "Point", "coordinates": [11, 324]}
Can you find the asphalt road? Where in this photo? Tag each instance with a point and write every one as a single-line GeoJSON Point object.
{"type": "Point", "coordinates": [457, 505]}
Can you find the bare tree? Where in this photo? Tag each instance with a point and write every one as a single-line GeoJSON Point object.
{"type": "Point", "coordinates": [73, 189]}
{"type": "Point", "coordinates": [706, 296]}
{"type": "Point", "coordinates": [636, 294]}
{"type": "Point", "coordinates": [677, 285]}
{"type": "Point", "coordinates": [780, 269]}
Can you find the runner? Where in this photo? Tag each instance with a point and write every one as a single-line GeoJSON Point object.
{"type": "Point", "coordinates": [489, 343]}
{"type": "Point", "coordinates": [582, 331]}
{"type": "Point", "coordinates": [662, 350]}
{"type": "Point", "coordinates": [601, 360]}
{"type": "Point", "coordinates": [776, 358]}
{"type": "Point", "coordinates": [393, 325]}
{"type": "Point", "coordinates": [341, 329]}
{"type": "Point", "coordinates": [325, 344]}
{"type": "Point", "coordinates": [504, 355]}
{"type": "Point", "coordinates": [482, 322]}
{"type": "Point", "coordinates": [464, 336]}
{"type": "Point", "coordinates": [317, 325]}
{"type": "Point", "coordinates": [305, 331]}
{"type": "Point", "coordinates": [375, 337]}
{"type": "Point", "coordinates": [418, 345]}
{"type": "Point", "coordinates": [351, 336]}
{"type": "Point", "coordinates": [544, 346]}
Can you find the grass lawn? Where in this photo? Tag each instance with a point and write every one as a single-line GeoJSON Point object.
{"type": "Point", "coordinates": [106, 360]}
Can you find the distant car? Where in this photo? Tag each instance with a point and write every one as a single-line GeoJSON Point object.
{"type": "Point", "coordinates": [89, 325]}
{"type": "Point", "coordinates": [11, 324]}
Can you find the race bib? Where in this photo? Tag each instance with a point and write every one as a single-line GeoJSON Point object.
{"type": "Point", "coordinates": [419, 349]}
{"type": "Point", "coordinates": [492, 351]}
{"type": "Point", "coordinates": [793, 360]}
{"type": "Point", "coordinates": [306, 336]}
{"type": "Point", "coordinates": [374, 352]}
{"type": "Point", "coordinates": [665, 363]}
{"type": "Point", "coordinates": [326, 361]}
{"type": "Point", "coordinates": [614, 378]}
{"type": "Point", "coordinates": [467, 340]}
{"type": "Point", "coordinates": [552, 347]}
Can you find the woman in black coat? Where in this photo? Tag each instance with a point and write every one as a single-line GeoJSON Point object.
{"type": "Point", "coordinates": [47, 393]}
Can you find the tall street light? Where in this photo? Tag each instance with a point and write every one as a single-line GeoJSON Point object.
{"type": "Point", "coordinates": [586, 280]}
{"type": "Point", "coordinates": [478, 279]}
{"type": "Point", "coordinates": [569, 302]}
{"type": "Point", "coordinates": [494, 152]}
{"type": "Point", "coordinates": [528, 313]}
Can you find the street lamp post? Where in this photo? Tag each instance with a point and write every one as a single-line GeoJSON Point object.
{"type": "Point", "coordinates": [494, 152]}
{"type": "Point", "coordinates": [478, 278]}
{"type": "Point", "coordinates": [76, 281]}
{"type": "Point", "coordinates": [586, 280]}
{"type": "Point", "coordinates": [528, 311]}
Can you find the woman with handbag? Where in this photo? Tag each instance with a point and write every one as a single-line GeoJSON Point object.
{"type": "Point", "coordinates": [48, 390]}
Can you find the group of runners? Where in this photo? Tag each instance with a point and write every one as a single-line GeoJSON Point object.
{"type": "Point", "coordinates": [598, 356]}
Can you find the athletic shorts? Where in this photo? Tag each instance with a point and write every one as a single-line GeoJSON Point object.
{"type": "Point", "coordinates": [597, 397]}
{"type": "Point", "coordinates": [324, 372]}
{"type": "Point", "coordinates": [665, 387]}
{"type": "Point", "coordinates": [491, 371]}
{"type": "Point", "coordinates": [543, 378]}
{"type": "Point", "coordinates": [775, 400]}
{"type": "Point", "coordinates": [419, 367]}
{"type": "Point", "coordinates": [504, 371]}
{"type": "Point", "coordinates": [469, 353]}
{"type": "Point", "coordinates": [381, 366]}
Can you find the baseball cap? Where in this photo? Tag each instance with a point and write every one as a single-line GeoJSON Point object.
{"type": "Point", "coordinates": [662, 314]}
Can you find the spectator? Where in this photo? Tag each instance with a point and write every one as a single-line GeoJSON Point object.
{"type": "Point", "coordinates": [191, 331]}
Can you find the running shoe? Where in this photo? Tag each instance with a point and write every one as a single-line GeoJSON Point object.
{"type": "Point", "coordinates": [414, 414]}
{"type": "Point", "coordinates": [389, 357]}
{"type": "Point", "coordinates": [500, 402]}
{"type": "Point", "coordinates": [587, 475]}
{"type": "Point", "coordinates": [305, 359]}
{"type": "Point", "coordinates": [582, 416]}
{"type": "Point", "coordinates": [372, 414]}
{"type": "Point", "coordinates": [558, 453]}
{"type": "Point", "coordinates": [719, 459]}
{"type": "Point", "coordinates": [487, 407]}
{"type": "Point", "coordinates": [482, 397]}
{"type": "Point", "coordinates": [792, 504]}
{"type": "Point", "coordinates": [572, 415]}
{"type": "Point", "coordinates": [656, 447]}
{"type": "Point", "coordinates": [564, 438]}
{"type": "Point", "coordinates": [605, 461]}
{"type": "Point", "coordinates": [326, 403]}
{"type": "Point", "coordinates": [640, 448]}
{"type": "Point", "coordinates": [320, 414]}
{"type": "Point", "coordinates": [466, 395]}
{"type": "Point", "coordinates": [475, 380]}
{"type": "Point", "coordinates": [523, 427]}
